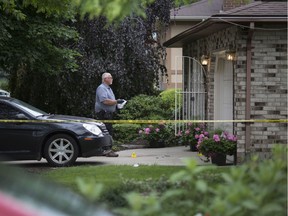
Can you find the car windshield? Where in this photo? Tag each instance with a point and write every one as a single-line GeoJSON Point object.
{"type": "Point", "coordinates": [30, 109]}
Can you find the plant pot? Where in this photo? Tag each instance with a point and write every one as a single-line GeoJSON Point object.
{"type": "Point", "coordinates": [218, 159]}
{"type": "Point", "coordinates": [156, 144]}
{"type": "Point", "coordinates": [193, 147]}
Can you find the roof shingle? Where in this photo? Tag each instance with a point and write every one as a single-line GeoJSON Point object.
{"type": "Point", "coordinates": [259, 8]}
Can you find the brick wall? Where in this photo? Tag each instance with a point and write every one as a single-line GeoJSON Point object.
{"type": "Point", "coordinates": [268, 87]}
{"type": "Point", "coordinates": [268, 83]}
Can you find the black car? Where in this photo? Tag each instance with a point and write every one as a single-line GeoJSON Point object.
{"type": "Point", "coordinates": [27, 133]}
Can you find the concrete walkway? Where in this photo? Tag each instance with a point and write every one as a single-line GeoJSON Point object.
{"type": "Point", "coordinates": [169, 156]}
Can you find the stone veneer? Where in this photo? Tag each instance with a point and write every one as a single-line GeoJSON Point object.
{"type": "Point", "coordinates": [268, 82]}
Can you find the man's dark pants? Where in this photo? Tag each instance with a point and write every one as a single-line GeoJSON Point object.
{"type": "Point", "coordinates": [102, 115]}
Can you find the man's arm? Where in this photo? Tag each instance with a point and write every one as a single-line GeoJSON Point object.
{"type": "Point", "coordinates": [109, 102]}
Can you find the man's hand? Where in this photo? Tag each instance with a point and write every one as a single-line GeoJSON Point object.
{"type": "Point", "coordinates": [120, 101]}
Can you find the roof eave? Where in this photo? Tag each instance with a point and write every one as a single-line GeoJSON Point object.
{"type": "Point", "coordinates": [223, 22]}
{"type": "Point", "coordinates": [188, 18]}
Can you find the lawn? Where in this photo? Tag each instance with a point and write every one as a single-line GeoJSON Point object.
{"type": "Point", "coordinates": [109, 183]}
{"type": "Point", "coordinates": [112, 176]}
{"type": "Point", "coordinates": [109, 176]}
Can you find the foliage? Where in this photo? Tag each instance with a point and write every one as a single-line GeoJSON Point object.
{"type": "Point", "coordinates": [126, 133]}
{"type": "Point", "coordinates": [33, 44]}
{"type": "Point", "coordinates": [32, 51]}
{"type": "Point", "coordinates": [114, 10]}
{"type": "Point", "coordinates": [145, 107]}
{"type": "Point", "coordinates": [44, 55]}
{"type": "Point", "coordinates": [109, 175]}
{"type": "Point", "coordinates": [192, 133]}
{"type": "Point", "coordinates": [142, 107]}
{"type": "Point", "coordinates": [168, 101]}
{"type": "Point", "coordinates": [116, 181]}
{"type": "Point", "coordinates": [225, 143]}
{"type": "Point", "coordinates": [45, 197]}
{"type": "Point", "coordinates": [4, 84]}
{"type": "Point", "coordinates": [255, 188]}
{"type": "Point", "coordinates": [153, 133]}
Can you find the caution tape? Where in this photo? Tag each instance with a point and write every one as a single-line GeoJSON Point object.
{"type": "Point", "coordinates": [194, 121]}
{"type": "Point", "coordinates": [150, 121]}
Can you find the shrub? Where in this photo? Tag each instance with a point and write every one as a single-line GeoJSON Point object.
{"type": "Point", "coordinates": [147, 107]}
{"type": "Point", "coordinates": [163, 133]}
{"type": "Point", "coordinates": [126, 133]}
{"type": "Point", "coordinates": [255, 188]}
{"type": "Point", "coordinates": [168, 102]}
{"type": "Point", "coordinates": [141, 107]}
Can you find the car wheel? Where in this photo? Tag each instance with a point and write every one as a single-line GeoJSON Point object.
{"type": "Point", "coordinates": [61, 150]}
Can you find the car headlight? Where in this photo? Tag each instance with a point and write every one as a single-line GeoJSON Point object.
{"type": "Point", "coordinates": [93, 129]}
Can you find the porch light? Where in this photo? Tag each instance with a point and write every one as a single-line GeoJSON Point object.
{"type": "Point", "coordinates": [204, 60]}
{"type": "Point", "coordinates": [230, 55]}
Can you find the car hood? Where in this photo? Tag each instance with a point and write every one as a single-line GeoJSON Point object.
{"type": "Point", "coordinates": [68, 118]}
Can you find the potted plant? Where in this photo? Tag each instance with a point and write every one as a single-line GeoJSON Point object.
{"type": "Point", "coordinates": [191, 135]}
{"type": "Point", "coordinates": [155, 135]}
{"type": "Point", "coordinates": [218, 147]}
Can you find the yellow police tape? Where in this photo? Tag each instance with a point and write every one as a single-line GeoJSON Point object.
{"type": "Point", "coordinates": [151, 121]}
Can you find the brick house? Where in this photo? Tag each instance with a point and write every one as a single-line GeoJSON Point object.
{"type": "Point", "coordinates": [246, 74]}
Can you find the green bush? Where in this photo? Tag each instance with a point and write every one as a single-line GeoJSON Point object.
{"type": "Point", "coordinates": [126, 133]}
{"type": "Point", "coordinates": [4, 84]}
{"type": "Point", "coordinates": [145, 107]}
{"type": "Point", "coordinates": [168, 102]}
{"type": "Point", "coordinates": [255, 188]}
{"type": "Point", "coordinates": [140, 107]}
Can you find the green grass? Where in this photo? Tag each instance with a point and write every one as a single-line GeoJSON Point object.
{"type": "Point", "coordinates": [113, 176]}
{"type": "Point", "coordinates": [120, 180]}
{"type": "Point", "coordinates": [109, 176]}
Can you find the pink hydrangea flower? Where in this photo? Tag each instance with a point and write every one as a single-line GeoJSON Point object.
{"type": "Point", "coordinates": [201, 136]}
{"type": "Point", "coordinates": [147, 130]}
{"type": "Point", "coordinates": [216, 138]}
{"type": "Point", "coordinates": [231, 137]}
{"type": "Point", "coordinates": [197, 129]}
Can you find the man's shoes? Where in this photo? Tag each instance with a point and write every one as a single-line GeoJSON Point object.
{"type": "Point", "coordinates": [111, 154]}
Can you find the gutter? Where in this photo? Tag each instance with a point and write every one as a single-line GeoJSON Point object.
{"type": "Point", "coordinates": [224, 20]}
{"type": "Point", "coordinates": [248, 89]}
{"type": "Point", "coordinates": [188, 18]}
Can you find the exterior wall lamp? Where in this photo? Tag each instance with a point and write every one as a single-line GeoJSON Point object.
{"type": "Point", "coordinates": [204, 60]}
{"type": "Point", "coordinates": [230, 55]}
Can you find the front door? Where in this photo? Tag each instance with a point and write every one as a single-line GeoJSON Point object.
{"type": "Point", "coordinates": [223, 94]}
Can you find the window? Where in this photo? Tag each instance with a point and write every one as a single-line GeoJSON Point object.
{"type": "Point", "coordinates": [8, 112]}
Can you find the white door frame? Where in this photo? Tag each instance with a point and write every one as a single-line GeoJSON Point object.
{"type": "Point", "coordinates": [223, 92]}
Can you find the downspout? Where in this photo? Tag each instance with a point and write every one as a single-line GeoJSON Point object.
{"type": "Point", "coordinates": [248, 89]}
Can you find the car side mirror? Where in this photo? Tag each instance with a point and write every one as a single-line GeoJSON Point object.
{"type": "Point", "coordinates": [21, 116]}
